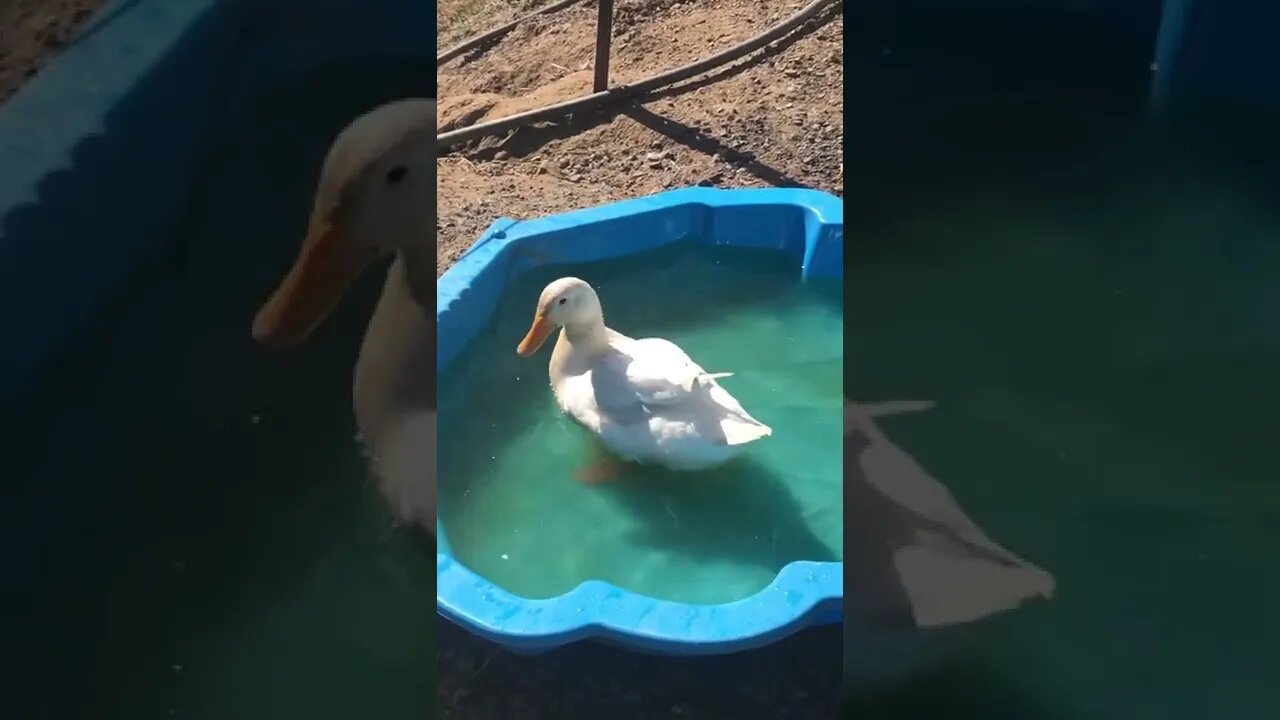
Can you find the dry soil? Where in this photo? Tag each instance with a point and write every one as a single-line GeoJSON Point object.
{"type": "Point", "coordinates": [773, 119]}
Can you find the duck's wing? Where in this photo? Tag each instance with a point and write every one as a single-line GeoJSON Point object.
{"type": "Point", "coordinates": [665, 381]}
{"type": "Point", "coordinates": [659, 373]}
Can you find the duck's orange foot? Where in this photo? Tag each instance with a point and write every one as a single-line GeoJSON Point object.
{"type": "Point", "coordinates": [600, 470]}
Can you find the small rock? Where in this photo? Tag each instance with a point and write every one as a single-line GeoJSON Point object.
{"type": "Point", "coordinates": [501, 155]}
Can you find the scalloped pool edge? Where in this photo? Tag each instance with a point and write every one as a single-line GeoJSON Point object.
{"type": "Point", "coordinates": [804, 593]}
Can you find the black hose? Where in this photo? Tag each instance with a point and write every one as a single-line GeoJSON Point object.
{"type": "Point", "coordinates": [498, 32]}
{"type": "Point", "coordinates": [595, 101]}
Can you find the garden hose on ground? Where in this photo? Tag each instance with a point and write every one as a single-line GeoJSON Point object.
{"type": "Point", "coordinates": [498, 32]}
{"type": "Point", "coordinates": [595, 101]}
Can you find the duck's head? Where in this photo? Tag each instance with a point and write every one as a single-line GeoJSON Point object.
{"type": "Point", "coordinates": [567, 302]}
{"type": "Point", "coordinates": [376, 195]}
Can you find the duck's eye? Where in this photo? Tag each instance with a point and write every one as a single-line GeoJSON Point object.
{"type": "Point", "coordinates": [396, 174]}
{"type": "Point", "coordinates": [562, 301]}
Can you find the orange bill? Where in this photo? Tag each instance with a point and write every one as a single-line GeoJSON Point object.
{"type": "Point", "coordinates": [537, 335]}
{"type": "Point", "coordinates": [325, 268]}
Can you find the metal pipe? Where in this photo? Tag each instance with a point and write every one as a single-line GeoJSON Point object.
{"type": "Point", "coordinates": [498, 32]}
{"type": "Point", "coordinates": [604, 35]}
{"type": "Point", "coordinates": [597, 100]}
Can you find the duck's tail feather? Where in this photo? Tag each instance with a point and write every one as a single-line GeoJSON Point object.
{"type": "Point", "coordinates": [740, 431]}
{"type": "Point", "coordinates": [701, 380]}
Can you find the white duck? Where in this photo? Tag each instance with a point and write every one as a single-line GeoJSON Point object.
{"type": "Point", "coordinates": [646, 399]}
{"type": "Point", "coordinates": [376, 196]}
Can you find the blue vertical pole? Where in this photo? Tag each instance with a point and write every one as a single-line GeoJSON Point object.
{"type": "Point", "coordinates": [1175, 16]}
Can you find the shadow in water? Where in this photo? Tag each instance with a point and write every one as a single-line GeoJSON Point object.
{"type": "Point", "coordinates": [700, 514]}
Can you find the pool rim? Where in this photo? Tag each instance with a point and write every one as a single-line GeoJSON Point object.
{"type": "Point", "coordinates": [802, 594]}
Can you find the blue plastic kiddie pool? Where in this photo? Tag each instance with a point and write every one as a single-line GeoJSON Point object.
{"type": "Point", "coordinates": [809, 227]}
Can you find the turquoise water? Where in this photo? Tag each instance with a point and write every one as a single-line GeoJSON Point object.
{"type": "Point", "coordinates": [513, 511]}
{"type": "Point", "coordinates": [1090, 295]}
{"type": "Point", "coordinates": [191, 520]}
{"type": "Point", "coordinates": [1091, 298]}
{"type": "Point", "coordinates": [1105, 368]}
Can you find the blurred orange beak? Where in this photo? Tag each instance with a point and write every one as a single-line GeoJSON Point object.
{"type": "Point", "coordinates": [326, 266]}
{"type": "Point", "coordinates": [537, 335]}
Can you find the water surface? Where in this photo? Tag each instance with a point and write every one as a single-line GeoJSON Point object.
{"type": "Point", "coordinates": [510, 504]}
{"type": "Point", "coordinates": [1090, 296]}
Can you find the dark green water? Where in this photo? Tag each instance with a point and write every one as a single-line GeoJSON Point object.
{"type": "Point", "coordinates": [1092, 301]}
{"type": "Point", "coordinates": [511, 507]}
{"type": "Point", "coordinates": [198, 539]}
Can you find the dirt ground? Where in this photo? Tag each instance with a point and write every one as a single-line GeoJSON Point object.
{"type": "Point", "coordinates": [772, 119]}
{"type": "Point", "coordinates": [31, 32]}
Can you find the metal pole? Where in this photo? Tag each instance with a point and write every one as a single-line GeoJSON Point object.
{"type": "Point", "coordinates": [604, 35]}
